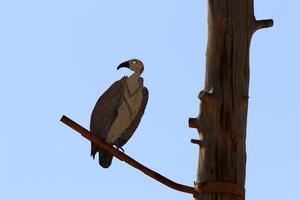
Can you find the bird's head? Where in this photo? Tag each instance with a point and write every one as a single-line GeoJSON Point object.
{"type": "Point", "coordinates": [134, 64]}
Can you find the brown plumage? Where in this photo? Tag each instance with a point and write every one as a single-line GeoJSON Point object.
{"type": "Point", "coordinates": [118, 112]}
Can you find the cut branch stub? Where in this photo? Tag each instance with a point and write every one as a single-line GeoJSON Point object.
{"type": "Point", "coordinates": [207, 97]}
{"type": "Point", "coordinates": [199, 142]}
{"type": "Point", "coordinates": [193, 123]}
{"type": "Point", "coordinates": [260, 24]}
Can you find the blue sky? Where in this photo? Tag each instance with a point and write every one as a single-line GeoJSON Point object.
{"type": "Point", "coordinates": [57, 57]}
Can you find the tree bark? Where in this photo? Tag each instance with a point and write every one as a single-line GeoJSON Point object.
{"type": "Point", "coordinates": [222, 120]}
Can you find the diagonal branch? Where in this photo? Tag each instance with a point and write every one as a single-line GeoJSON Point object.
{"type": "Point", "coordinates": [200, 188]}
{"type": "Point", "coordinates": [123, 157]}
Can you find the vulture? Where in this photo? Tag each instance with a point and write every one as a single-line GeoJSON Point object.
{"type": "Point", "coordinates": [118, 111]}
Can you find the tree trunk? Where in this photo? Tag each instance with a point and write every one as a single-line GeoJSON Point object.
{"type": "Point", "coordinates": [222, 120]}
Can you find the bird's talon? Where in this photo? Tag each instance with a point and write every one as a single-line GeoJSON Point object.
{"type": "Point", "coordinates": [122, 149]}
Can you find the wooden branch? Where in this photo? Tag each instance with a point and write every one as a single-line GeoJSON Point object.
{"type": "Point", "coordinates": [123, 157]}
{"type": "Point", "coordinates": [200, 188]}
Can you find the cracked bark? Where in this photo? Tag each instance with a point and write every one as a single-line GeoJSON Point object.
{"type": "Point", "coordinates": [222, 120]}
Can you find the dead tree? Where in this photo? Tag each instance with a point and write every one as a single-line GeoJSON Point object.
{"type": "Point", "coordinates": [222, 120]}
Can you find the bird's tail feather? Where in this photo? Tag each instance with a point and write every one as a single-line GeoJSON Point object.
{"type": "Point", "coordinates": [105, 159]}
{"type": "Point", "coordinates": [94, 150]}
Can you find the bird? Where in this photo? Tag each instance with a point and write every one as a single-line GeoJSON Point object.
{"type": "Point", "coordinates": [119, 110]}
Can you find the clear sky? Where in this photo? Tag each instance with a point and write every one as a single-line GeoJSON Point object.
{"type": "Point", "coordinates": [58, 56]}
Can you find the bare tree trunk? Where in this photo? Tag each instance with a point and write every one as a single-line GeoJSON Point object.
{"type": "Point", "coordinates": [222, 120]}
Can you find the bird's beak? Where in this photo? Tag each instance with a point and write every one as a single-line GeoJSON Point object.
{"type": "Point", "coordinates": [124, 64]}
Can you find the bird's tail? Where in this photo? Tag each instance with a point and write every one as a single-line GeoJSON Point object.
{"type": "Point", "coordinates": [105, 159]}
{"type": "Point", "coordinates": [94, 150]}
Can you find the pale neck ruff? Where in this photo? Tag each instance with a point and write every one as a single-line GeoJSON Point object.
{"type": "Point", "coordinates": [133, 82]}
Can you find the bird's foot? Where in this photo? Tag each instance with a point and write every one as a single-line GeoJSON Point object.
{"type": "Point", "coordinates": [121, 149]}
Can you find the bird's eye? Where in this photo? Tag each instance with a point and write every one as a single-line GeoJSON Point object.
{"type": "Point", "coordinates": [134, 62]}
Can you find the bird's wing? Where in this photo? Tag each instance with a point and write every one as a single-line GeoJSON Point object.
{"type": "Point", "coordinates": [106, 109]}
{"type": "Point", "coordinates": [134, 124]}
